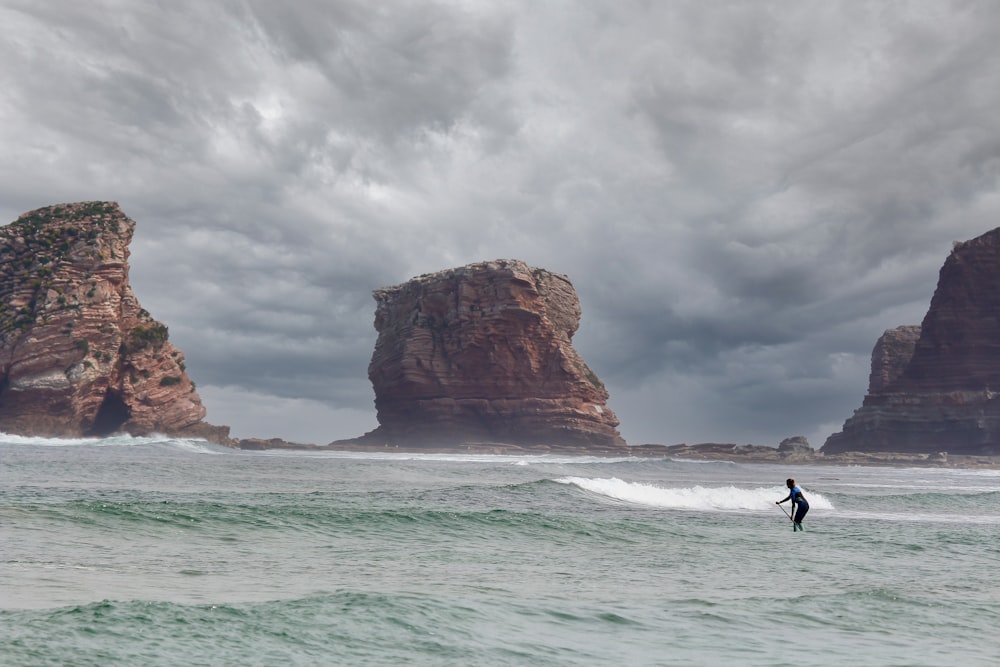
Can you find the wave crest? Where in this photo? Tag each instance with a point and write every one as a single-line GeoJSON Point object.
{"type": "Point", "coordinates": [156, 440]}
{"type": "Point", "coordinates": [725, 498]}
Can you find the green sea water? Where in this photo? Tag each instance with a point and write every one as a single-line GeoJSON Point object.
{"type": "Point", "coordinates": [151, 551]}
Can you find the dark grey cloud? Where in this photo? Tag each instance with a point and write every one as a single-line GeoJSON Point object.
{"type": "Point", "coordinates": [744, 194]}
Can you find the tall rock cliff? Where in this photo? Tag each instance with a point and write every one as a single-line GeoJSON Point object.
{"type": "Point", "coordinates": [935, 387]}
{"type": "Point", "coordinates": [78, 354]}
{"type": "Point", "coordinates": [483, 353]}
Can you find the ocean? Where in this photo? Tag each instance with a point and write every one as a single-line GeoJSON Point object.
{"type": "Point", "coordinates": [156, 551]}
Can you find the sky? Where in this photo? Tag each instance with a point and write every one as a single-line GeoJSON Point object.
{"type": "Point", "coordinates": [745, 195]}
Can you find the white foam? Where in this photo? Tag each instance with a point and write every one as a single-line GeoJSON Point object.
{"type": "Point", "coordinates": [8, 439]}
{"type": "Point", "coordinates": [196, 446]}
{"type": "Point", "coordinates": [725, 498]}
{"type": "Point", "coordinates": [192, 445]}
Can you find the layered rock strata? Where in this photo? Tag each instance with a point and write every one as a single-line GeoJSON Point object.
{"type": "Point", "coordinates": [78, 355]}
{"type": "Point", "coordinates": [483, 353]}
{"type": "Point", "coordinates": [936, 387]}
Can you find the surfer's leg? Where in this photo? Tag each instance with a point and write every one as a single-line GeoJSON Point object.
{"type": "Point", "coordinates": [800, 513]}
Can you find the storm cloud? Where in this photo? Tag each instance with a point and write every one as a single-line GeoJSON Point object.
{"type": "Point", "coordinates": [745, 195]}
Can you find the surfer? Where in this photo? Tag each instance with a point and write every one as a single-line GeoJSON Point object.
{"type": "Point", "coordinates": [799, 503]}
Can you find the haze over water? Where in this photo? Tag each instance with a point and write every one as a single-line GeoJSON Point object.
{"type": "Point", "coordinates": [172, 552]}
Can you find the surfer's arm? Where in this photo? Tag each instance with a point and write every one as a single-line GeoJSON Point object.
{"type": "Point", "coordinates": [778, 502]}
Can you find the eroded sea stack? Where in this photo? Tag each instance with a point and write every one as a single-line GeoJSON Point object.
{"type": "Point", "coordinates": [78, 355]}
{"type": "Point", "coordinates": [936, 387]}
{"type": "Point", "coordinates": [483, 354]}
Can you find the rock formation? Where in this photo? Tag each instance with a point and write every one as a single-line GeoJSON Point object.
{"type": "Point", "coordinates": [795, 445]}
{"type": "Point", "coordinates": [78, 354]}
{"type": "Point", "coordinates": [935, 387]}
{"type": "Point", "coordinates": [483, 353]}
{"type": "Point", "coordinates": [893, 351]}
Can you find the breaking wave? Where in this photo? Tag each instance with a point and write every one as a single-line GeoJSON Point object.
{"type": "Point", "coordinates": [726, 498]}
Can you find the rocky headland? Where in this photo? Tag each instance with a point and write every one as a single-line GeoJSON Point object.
{"type": "Point", "coordinates": [936, 387]}
{"type": "Point", "coordinates": [79, 356]}
{"type": "Point", "coordinates": [483, 354]}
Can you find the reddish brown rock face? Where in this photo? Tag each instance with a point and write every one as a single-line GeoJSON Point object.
{"type": "Point", "coordinates": [78, 355]}
{"type": "Point", "coordinates": [483, 353]}
{"type": "Point", "coordinates": [891, 356]}
{"type": "Point", "coordinates": [935, 387]}
{"type": "Point", "coordinates": [959, 346]}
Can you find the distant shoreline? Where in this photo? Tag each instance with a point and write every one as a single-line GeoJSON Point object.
{"type": "Point", "coordinates": [700, 452]}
